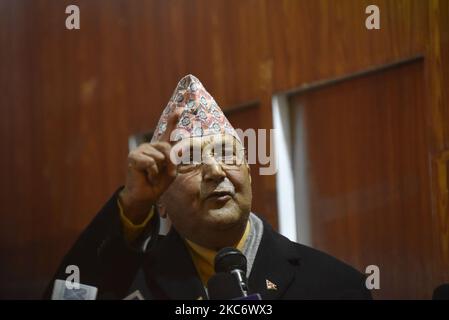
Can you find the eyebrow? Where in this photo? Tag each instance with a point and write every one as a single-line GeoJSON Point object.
{"type": "Point", "coordinates": [226, 141]}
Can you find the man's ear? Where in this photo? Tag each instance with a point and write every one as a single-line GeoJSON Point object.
{"type": "Point", "coordinates": [249, 172]}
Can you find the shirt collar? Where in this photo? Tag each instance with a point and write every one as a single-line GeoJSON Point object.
{"type": "Point", "coordinates": [203, 258]}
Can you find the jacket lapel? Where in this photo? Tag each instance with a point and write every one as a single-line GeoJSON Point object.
{"type": "Point", "coordinates": [274, 267]}
{"type": "Point", "coordinates": [170, 272]}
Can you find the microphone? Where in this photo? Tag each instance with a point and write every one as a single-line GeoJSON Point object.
{"type": "Point", "coordinates": [232, 261]}
{"type": "Point", "coordinates": [223, 286]}
{"type": "Point", "coordinates": [441, 292]}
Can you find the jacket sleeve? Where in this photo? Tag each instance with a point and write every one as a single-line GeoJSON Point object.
{"type": "Point", "coordinates": [104, 258]}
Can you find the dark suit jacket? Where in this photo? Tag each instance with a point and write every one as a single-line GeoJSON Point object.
{"type": "Point", "coordinates": [166, 271]}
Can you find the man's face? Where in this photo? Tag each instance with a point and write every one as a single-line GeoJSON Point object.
{"type": "Point", "coordinates": [211, 195]}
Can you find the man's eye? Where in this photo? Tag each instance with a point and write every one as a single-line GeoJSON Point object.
{"type": "Point", "coordinates": [225, 152]}
{"type": "Point", "coordinates": [227, 159]}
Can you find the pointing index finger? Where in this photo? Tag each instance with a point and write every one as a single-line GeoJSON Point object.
{"type": "Point", "coordinates": [172, 121]}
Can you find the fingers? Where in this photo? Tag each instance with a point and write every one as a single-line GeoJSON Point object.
{"type": "Point", "coordinates": [150, 151]}
{"type": "Point", "coordinates": [150, 169]}
{"type": "Point", "coordinates": [153, 158]}
{"type": "Point", "coordinates": [143, 162]}
{"type": "Point", "coordinates": [172, 121]}
{"type": "Point", "coordinates": [165, 148]}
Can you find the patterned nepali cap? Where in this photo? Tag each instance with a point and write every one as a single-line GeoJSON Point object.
{"type": "Point", "coordinates": [201, 115]}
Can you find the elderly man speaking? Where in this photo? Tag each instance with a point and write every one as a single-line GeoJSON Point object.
{"type": "Point", "coordinates": [158, 236]}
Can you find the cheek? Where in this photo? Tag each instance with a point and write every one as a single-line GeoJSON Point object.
{"type": "Point", "coordinates": [182, 201]}
{"type": "Point", "coordinates": [183, 190]}
{"type": "Point", "coordinates": [242, 182]}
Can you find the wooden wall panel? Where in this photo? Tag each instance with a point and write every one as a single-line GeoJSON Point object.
{"type": "Point", "coordinates": [437, 69]}
{"type": "Point", "coordinates": [368, 177]}
{"type": "Point", "coordinates": [324, 39]}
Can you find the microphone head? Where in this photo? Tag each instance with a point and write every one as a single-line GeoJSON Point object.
{"type": "Point", "coordinates": [441, 292]}
{"type": "Point", "coordinates": [228, 259]}
{"type": "Point", "coordinates": [223, 286]}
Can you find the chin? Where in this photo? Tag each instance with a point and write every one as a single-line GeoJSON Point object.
{"type": "Point", "coordinates": [224, 218]}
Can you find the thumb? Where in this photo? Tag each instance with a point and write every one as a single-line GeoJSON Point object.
{"type": "Point", "coordinates": [172, 122]}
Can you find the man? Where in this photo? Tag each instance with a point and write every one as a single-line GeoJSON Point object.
{"type": "Point", "coordinates": [205, 202]}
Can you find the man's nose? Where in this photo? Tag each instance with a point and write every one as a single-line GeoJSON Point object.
{"type": "Point", "coordinates": [212, 170]}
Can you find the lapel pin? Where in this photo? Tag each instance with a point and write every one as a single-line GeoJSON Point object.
{"type": "Point", "coordinates": [271, 285]}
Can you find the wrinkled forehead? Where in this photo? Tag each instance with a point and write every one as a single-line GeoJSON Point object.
{"type": "Point", "coordinates": [202, 142]}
